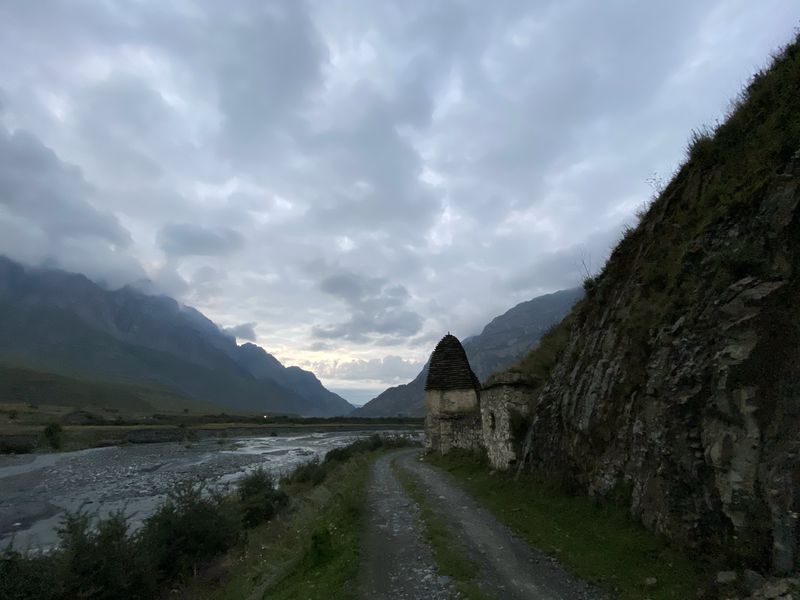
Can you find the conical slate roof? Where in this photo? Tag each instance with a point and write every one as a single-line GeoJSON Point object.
{"type": "Point", "coordinates": [449, 368]}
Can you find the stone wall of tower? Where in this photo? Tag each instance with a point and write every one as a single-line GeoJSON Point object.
{"type": "Point", "coordinates": [505, 410]}
{"type": "Point", "coordinates": [492, 419]}
{"type": "Point", "coordinates": [453, 420]}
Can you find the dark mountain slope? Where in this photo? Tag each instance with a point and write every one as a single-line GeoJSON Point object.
{"type": "Point", "coordinates": [65, 323]}
{"type": "Point", "coordinates": [52, 339]}
{"type": "Point", "coordinates": [26, 386]}
{"type": "Point", "coordinates": [262, 365]}
{"type": "Point", "coordinates": [502, 342]}
{"type": "Point", "coordinates": [407, 400]}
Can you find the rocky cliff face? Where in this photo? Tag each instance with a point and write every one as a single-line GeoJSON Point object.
{"type": "Point", "coordinates": [678, 387]}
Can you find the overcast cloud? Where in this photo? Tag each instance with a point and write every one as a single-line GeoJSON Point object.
{"type": "Point", "coordinates": [354, 177]}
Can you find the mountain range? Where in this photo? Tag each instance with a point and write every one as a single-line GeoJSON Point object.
{"type": "Point", "coordinates": [503, 342]}
{"type": "Point", "coordinates": [65, 323]}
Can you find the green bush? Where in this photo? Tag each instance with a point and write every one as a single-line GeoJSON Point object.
{"type": "Point", "coordinates": [589, 285]}
{"type": "Point", "coordinates": [321, 550]}
{"type": "Point", "coordinates": [701, 148]}
{"type": "Point", "coordinates": [315, 471]}
{"type": "Point", "coordinates": [536, 366]}
{"type": "Point", "coordinates": [189, 529]}
{"type": "Point", "coordinates": [27, 576]}
{"type": "Point", "coordinates": [53, 433]}
{"type": "Point", "coordinates": [259, 498]}
{"type": "Point", "coordinates": [370, 444]}
{"type": "Point", "coordinates": [103, 563]}
{"type": "Point", "coordinates": [312, 472]}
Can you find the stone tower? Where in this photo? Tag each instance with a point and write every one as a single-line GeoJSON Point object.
{"type": "Point", "coordinates": [452, 400]}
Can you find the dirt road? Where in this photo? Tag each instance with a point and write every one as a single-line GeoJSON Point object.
{"type": "Point", "coordinates": [397, 561]}
{"type": "Point", "coordinates": [399, 564]}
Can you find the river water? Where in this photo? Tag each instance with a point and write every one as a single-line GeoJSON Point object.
{"type": "Point", "coordinates": [36, 490]}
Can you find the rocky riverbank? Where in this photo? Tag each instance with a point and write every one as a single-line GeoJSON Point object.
{"type": "Point", "coordinates": [36, 490]}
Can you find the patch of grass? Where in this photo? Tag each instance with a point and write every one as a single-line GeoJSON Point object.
{"type": "Point", "coordinates": [312, 472]}
{"type": "Point", "coordinates": [53, 434]}
{"type": "Point", "coordinates": [598, 542]}
{"type": "Point", "coordinates": [310, 551]}
{"type": "Point", "coordinates": [539, 362]}
{"type": "Point", "coordinates": [451, 559]}
{"type": "Point", "coordinates": [329, 563]}
{"type": "Point", "coordinates": [24, 385]}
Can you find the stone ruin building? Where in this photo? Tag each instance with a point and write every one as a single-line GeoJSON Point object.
{"type": "Point", "coordinates": [461, 414]}
{"type": "Point", "coordinates": [453, 418]}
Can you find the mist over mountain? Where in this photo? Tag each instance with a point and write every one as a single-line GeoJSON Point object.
{"type": "Point", "coordinates": [65, 323]}
{"type": "Point", "coordinates": [505, 340]}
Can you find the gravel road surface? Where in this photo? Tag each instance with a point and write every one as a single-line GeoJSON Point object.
{"type": "Point", "coordinates": [399, 564]}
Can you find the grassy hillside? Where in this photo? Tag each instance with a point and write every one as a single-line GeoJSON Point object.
{"type": "Point", "coordinates": [73, 348]}
{"type": "Point", "coordinates": [25, 386]}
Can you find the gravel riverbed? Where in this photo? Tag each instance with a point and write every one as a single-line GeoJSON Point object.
{"type": "Point", "coordinates": [36, 490]}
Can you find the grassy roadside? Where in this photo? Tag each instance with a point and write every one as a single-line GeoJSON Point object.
{"type": "Point", "coordinates": [451, 559]}
{"type": "Point", "coordinates": [597, 542]}
{"type": "Point", "coordinates": [309, 552]}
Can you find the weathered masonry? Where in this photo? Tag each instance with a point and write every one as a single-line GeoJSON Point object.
{"type": "Point", "coordinates": [460, 414]}
{"type": "Point", "coordinates": [453, 418]}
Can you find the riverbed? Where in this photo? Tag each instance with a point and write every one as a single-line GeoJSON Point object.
{"type": "Point", "coordinates": [36, 490]}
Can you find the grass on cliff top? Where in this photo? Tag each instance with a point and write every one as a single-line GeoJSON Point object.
{"type": "Point", "coordinates": [597, 542]}
{"type": "Point", "coordinates": [536, 366]}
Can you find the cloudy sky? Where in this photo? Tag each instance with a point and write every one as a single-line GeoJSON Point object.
{"type": "Point", "coordinates": [345, 181]}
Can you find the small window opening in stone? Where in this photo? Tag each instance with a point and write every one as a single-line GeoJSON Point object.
{"type": "Point", "coordinates": [491, 420]}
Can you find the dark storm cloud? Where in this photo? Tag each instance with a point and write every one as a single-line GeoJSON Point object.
{"type": "Point", "coordinates": [244, 331]}
{"type": "Point", "coordinates": [187, 239]}
{"type": "Point", "coordinates": [48, 194]}
{"type": "Point", "coordinates": [124, 119]}
{"type": "Point", "coordinates": [377, 308]}
{"type": "Point", "coordinates": [49, 213]}
{"type": "Point", "coordinates": [268, 58]}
